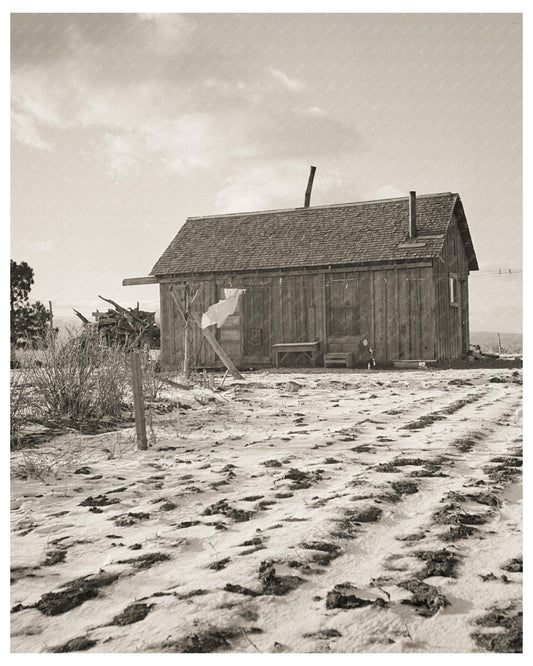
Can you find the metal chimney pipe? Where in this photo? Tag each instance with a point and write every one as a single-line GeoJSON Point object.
{"type": "Point", "coordinates": [307, 200]}
{"type": "Point", "coordinates": [412, 215]}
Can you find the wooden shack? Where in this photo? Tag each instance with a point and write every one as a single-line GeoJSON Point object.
{"type": "Point", "coordinates": [389, 274]}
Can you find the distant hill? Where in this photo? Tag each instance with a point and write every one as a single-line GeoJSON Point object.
{"type": "Point", "coordinates": [66, 323]}
{"type": "Point", "coordinates": [488, 341]}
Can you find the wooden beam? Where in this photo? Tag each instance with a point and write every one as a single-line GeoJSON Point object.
{"type": "Point", "coordinates": [138, 401]}
{"type": "Point", "coordinates": [84, 319]}
{"type": "Point", "coordinates": [196, 295]}
{"type": "Point", "coordinates": [131, 282]}
{"type": "Point", "coordinates": [208, 336]}
{"type": "Point", "coordinates": [176, 303]}
{"type": "Point", "coordinates": [289, 272]}
{"type": "Point", "coordinates": [216, 347]}
{"type": "Point", "coordinates": [187, 335]}
{"type": "Point", "coordinates": [127, 313]}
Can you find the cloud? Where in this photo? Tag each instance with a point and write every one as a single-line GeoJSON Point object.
{"type": "Point", "coordinates": [42, 246]}
{"type": "Point", "coordinates": [278, 184]}
{"type": "Point", "coordinates": [258, 188]}
{"type": "Point", "coordinates": [316, 111]}
{"type": "Point", "coordinates": [291, 84]}
{"type": "Point", "coordinates": [169, 29]}
{"type": "Point", "coordinates": [122, 152]}
{"type": "Point", "coordinates": [25, 130]}
{"type": "Point", "coordinates": [165, 91]}
{"type": "Point", "coordinates": [390, 192]}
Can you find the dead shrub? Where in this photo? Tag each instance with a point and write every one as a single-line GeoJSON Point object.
{"type": "Point", "coordinates": [153, 382]}
{"type": "Point", "coordinates": [19, 403]}
{"type": "Point", "coordinates": [37, 464]}
{"type": "Point", "coordinates": [78, 378]}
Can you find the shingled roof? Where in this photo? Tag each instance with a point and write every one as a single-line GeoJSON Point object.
{"type": "Point", "coordinates": [362, 233]}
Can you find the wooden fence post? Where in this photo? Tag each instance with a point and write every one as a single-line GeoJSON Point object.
{"type": "Point", "coordinates": [138, 401]}
{"type": "Point", "coordinates": [186, 347]}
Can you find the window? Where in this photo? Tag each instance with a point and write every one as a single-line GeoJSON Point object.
{"type": "Point", "coordinates": [344, 307]}
{"type": "Point", "coordinates": [453, 290]}
{"type": "Point", "coordinates": [344, 321]}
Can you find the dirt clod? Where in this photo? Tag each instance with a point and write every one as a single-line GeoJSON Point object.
{"type": "Point", "coordinates": [222, 506]}
{"type": "Point", "coordinates": [274, 584]}
{"type": "Point", "coordinates": [502, 473]}
{"type": "Point", "coordinates": [509, 461]}
{"type": "Point", "coordinates": [323, 633]}
{"type": "Point", "coordinates": [454, 514]}
{"type": "Point", "coordinates": [219, 564]}
{"type": "Point", "coordinates": [438, 563]}
{"type": "Point", "coordinates": [340, 598]}
{"type": "Point", "coordinates": [131, 614]}
{"type": "Point", "coordinates": [510, 623]}
{"type": "Point", "coordinates": [79, 644]}
{"type": "Point", "coordinates": [458, 533]}
{"type": "Point", "coordinates": [255, 541]}
{"type": "Point", "coordinates": [187, 523]}
{"type": "Point", "coordinates": [55, 557]}
{"type": "Point", "coordinates": [99, 500]}
{"type": "Point", "coordinates": [167, 506]}
{"type": "Point", "coordinates": [146, 561]}
{"type": "Point", "coordinates": [404, 487]}
{"type": "Point", "coordinates": [515, 565]}
{"type": "Point", "coordinates": [369, 514]}
{"type": "Point", "coordinates": [212, 640]}
{"type": "Point", "coordinates": [272, 463]}
{"type": "Point", "coordinates": [415, 536]}
{"type": "Point", "coordinates": [303, 479]}
{"type": "Point", "coordinates": [389, 467]}
{"type": "Point", "coordinates": [426, 598]}
{"type": "Point", "coordinates": [362, 448]}
{"type": "Point", "coordinates": [326, 551]}
{"type": "Point", "coordinates": [74, 594]}
{"type": "Point", "coordinates": [131, 518]}
{"type": "Point", "coordinates": [239, 589]}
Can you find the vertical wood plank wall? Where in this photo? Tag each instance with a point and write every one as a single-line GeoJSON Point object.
{"type": "Point", "coordinates": [451, 321]}
{"type": "Point", "coordinates": [395, 305]}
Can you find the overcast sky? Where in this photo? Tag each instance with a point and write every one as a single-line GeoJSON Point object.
{"type": "Point", "coordinates": [123, 125]}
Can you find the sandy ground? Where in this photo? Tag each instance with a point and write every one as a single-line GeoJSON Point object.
{"type": "Point", "coordinates": [364, 512]}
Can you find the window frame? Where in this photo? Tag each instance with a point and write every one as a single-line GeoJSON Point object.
{"type": "Point", "coordinates": [339, 318]}
{"type": "Point", "coordinates": [453, 286]}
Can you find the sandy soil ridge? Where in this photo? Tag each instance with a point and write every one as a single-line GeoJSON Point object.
{"type": "Point", "coordinates": [363, 513]}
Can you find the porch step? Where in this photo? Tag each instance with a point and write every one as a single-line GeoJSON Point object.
{"type": "Point", "coordinates": [338, 358]}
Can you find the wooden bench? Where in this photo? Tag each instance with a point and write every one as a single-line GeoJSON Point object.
{"type": "Point", "coordinates": [310, 349]}
{"type": "Point", "coordinates": [413, 363]}
{"type": "Point", "coordinates": [338, 358]}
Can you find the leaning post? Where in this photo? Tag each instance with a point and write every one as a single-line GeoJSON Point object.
{"type": "Point", "coordinates": [187, 336]}
{"type": "Point", "coordinates": [138, 401]}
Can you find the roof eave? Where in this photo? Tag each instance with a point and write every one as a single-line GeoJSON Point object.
{"type": "Point", "coordinates": [309, 267]}
{"type": "Point", "coordinates": [462, 224]}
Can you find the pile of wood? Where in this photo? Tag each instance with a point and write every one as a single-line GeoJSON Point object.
{"type": "Point", "coordinates": [130, 328]}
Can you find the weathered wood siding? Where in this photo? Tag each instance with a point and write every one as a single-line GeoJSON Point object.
{"type": "Point", "coordinates": [391, 307]}
{"type": "Point", "coordinates": [452, 338]}
{"type": "Point", "coordinates": [395, 313]}
{"type": "Point", "coordinates": [172, 324]}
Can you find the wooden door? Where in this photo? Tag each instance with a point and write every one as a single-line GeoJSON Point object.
{"type": "Point", "coordinates": [343, 325]}
{"type": "Point", "coordinates": [256, 310]}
